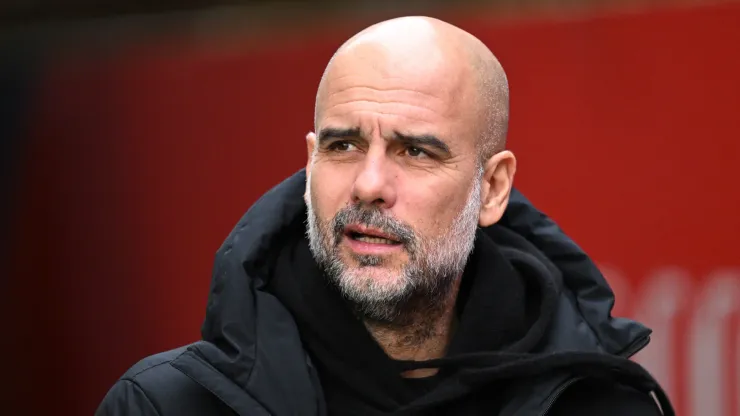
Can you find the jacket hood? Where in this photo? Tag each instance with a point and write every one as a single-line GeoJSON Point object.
{"type": "Point", "coordinates": [242, 267]}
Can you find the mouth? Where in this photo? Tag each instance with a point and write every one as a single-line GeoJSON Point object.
{"type": "Point", "coordinates": [366, 235]}
{"type": "Point", "coordinates": [366, 238]}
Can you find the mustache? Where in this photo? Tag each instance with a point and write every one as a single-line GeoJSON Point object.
{"type": "Point", "coordinates": [375, 218]}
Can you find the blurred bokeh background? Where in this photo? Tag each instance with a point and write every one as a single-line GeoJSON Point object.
{"type": "Point", "coordinates": [134, 134]}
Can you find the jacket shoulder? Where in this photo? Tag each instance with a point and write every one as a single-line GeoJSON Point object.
{"type": "Point", "coordinates": [153, 386]}
{"type": "Point", "coordinates": [594, 397]}
{"type": "Point", "coordinates": [152, 362]}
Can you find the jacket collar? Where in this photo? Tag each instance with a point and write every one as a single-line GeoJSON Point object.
{"type": "Point", "coordinates": [232, 330]}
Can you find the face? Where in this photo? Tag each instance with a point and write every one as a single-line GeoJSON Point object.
{"type": "Point", "coordinates": [383, 264]}
{"type": "Point", "coordinates": [394, 183]}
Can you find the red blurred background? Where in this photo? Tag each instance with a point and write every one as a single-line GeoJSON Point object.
{"type": "Point", "coordinates": [140, 159]}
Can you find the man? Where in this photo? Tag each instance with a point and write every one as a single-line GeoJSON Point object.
{"type": "Point", "coordinates": [400, 273]}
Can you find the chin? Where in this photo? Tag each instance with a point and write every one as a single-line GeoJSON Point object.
{"type": "Point", "coordinates": [373, 282]}
{"type": "Point", "coordinates": [389, 263]}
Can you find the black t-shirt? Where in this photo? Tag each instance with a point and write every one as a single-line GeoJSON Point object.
{"type": "Point", "coordinates": [421, 386]}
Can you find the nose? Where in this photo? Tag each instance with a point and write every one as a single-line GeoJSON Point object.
{"type": "Point", "coordinates": [374, 182]}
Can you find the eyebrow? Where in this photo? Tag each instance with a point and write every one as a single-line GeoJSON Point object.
{"type": "Point", "coordinates": [411, 140]}
{"type": "Point", "coordinates": [333, 133]}
{"type": "Point", "coordinates": [424, 140]}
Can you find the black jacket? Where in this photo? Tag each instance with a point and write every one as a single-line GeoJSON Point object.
{"type": "Point", "coordinates": [251, 360]}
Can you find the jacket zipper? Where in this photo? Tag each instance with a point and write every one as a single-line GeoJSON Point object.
{"type": "Point", "coordinates": [627, 353]}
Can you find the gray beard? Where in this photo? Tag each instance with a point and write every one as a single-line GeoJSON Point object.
{"type": "Point", "coordinates": [421, 288]}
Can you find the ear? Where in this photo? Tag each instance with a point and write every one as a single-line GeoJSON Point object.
{"type": "Point", "coordinates": [498, 178]}
{"type": "Point", "coordinates": [310, 146]}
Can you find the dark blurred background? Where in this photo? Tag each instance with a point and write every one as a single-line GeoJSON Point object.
{"type": "Point", "coordinates": [134, 134]}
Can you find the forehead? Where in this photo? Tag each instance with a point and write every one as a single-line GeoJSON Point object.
{"type": "Point", "coordinates": [426, 71]}
{"type": "Point", "coordinates": [417, 89]}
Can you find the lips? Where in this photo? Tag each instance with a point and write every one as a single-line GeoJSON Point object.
{"type": "Point", "coordinates": [370, 235]}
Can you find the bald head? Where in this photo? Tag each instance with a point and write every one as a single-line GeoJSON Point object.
{"type": "Point", "coordinates": [453, 62]}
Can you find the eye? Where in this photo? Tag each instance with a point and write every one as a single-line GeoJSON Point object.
{"type": "Point", "coordinates": [416, 152]}
{"type": "Point", "coordinates": [341, 146]}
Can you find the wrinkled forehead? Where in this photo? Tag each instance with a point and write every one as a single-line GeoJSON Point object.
{"type": "Point", "coordinates": [433, 74]}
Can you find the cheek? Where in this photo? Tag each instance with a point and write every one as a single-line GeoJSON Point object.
{"type": "Point", "coordinates": [328, 192]}
{"type": "Point", "coordinates": [433, 210]}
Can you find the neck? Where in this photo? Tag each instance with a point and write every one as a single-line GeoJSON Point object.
{"type": "Point", "coordinates": [425, 336]}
